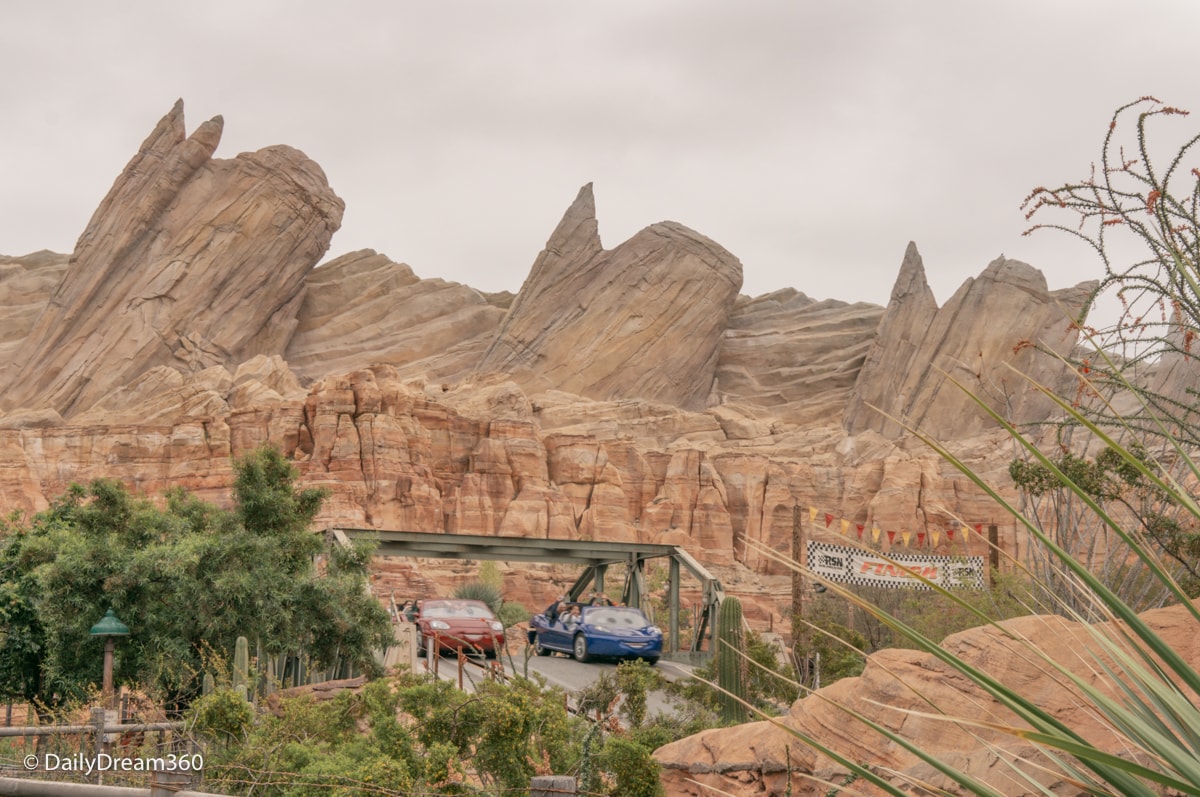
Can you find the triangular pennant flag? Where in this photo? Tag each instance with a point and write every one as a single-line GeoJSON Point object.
{"type": "Point", "coordinates": [935, 537]}
{"type": "Point", "coordinates": [845, 527]}
{"type": "Point", "coordinates": [950, 535]}
{"type": "Point", "coordinates": [979, 528]}
{"type": "Point", "coordinates": [920, 538]}
{"type": "Point", "coordinates": [828, 519]}
{"type": "Point", "coordinates": [891, 537]}
{"type": "Point", "coordinates": [859, 526]}
{"type": "Point", "coordinates": [812, 514]}
{"type": "Point", "coordinates": [875, 534]}
{"type": "Point", "coordinates": [965, 532]}
{"type": "Point", "coordinates": [905, 535]}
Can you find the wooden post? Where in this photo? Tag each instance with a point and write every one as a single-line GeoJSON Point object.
{"type": "Point", "coordinates": [994, 553]}
{"type": "Point", "coordinates": [552, 786]}
{"type": "Point", "coordinates": [98, 717]}
{"type": "Point", "coordinates": [799, 630]}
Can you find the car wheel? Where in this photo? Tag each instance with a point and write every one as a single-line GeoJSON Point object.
{"type": "Point", "coordinates": [579, 648]}
{"type": "Point", "coordinates": [651, 660]}
{"type": "Point", "coordinates": [541, 649]}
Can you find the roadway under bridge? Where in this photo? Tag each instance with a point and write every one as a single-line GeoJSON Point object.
{"type": "Point", "coordinates": [594, 557]}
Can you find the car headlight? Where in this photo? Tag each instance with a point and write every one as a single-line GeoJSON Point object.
{"type": "Point", "coordinates": [602, 628]}
{"type": "Point", "coordinates": [496, 625]}
{"type": "Point", "coordinates": [654, 630]}
{"type": "Point", "coordinates": [440, 625]}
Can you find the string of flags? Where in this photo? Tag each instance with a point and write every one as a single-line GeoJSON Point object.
{"type": "Point", "coordinates": [960, 532]}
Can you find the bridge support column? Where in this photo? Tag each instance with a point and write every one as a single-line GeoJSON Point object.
{"type": "Point", "coordinates": [673, 604]}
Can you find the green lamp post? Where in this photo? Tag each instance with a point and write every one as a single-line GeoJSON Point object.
{"type": "Point", "coordinates": [109, 627]}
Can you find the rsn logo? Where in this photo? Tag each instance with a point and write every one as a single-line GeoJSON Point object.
{"type": "Point", "coordinates": [836, 562]}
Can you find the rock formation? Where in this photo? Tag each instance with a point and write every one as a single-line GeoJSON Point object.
{"type": "Point", "coordinates": [189, 262]}
{"type": "Point", "coordinates": [361, 308]}
{"type": "Point", "coordinates": [644, 320]}
{"type": "Point", "coordinates": [893, 691]}
{"type": "Point", "coordinates": [983, 337]}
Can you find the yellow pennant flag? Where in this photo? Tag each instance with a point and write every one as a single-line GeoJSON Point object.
{"type": "Point", "coordinates": [935, 535]}
{"type": "Point", "coordinates": [906, 536]}
{"type": "Point", "coordinates": [845, 527]}
{"type": "Point", "coordinates": [965, 532]}
{"type": "Point", "coordinates": [875, 534]}
{"type": "Point", "coordinates": [812, 514]}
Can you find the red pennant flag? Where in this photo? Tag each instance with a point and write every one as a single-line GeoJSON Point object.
{"type": "Point", "coordinates": [920, 538]}
{"type": "Point", "coordinates": [859, 526]}
{"type": "Point", "coordinates": [979, 528]}
{"type": "Point", "coordinates": [950, 535]}
{"type": "Point", "coordinates": [828, 519]}
{"type": "Point", "coordinates": [891, 537]}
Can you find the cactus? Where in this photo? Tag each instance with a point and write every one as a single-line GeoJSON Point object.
{"type": "Point", "coordinates": [206, 685]}
{"type": "Point", "coordinates": [732, 672]}
{"type": "Point", "coordinates": [241, 666]}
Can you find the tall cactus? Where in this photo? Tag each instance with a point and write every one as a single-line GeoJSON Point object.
{"type": "Point", "coordinates": [241, 667]}
{"type": "Point", "coordinates": [732, 671]}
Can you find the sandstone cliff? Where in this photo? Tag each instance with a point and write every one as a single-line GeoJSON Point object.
{"type": "Point", "coordinates": [190, 325]}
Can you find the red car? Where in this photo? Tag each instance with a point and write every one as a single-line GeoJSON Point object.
{"type": "Point", "coordinates": [457, 623]}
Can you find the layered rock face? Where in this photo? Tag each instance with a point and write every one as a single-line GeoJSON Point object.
{"type": "Point", "coordinates": [361, 308]}
{"type": "Point", "coordinates": [189, 262]}
{"type": "Point", "coordinates": [983, 338]}
{"type": "Point", "coordinates": [896, 691]}
{"type": "Point", "coordinates": [645, 319]}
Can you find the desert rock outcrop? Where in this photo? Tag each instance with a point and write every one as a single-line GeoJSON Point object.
{"type": "Point", "coordinates": [361, 309]}
{"type": "Point", "coordinates": [643, 320]}
{"type": "Point", "coordinates": [189, 262]}
{"type": "Point", "coordinates": [992, 322]}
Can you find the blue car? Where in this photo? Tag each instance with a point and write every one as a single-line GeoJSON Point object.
{"type": "Point", "coordinates": [598, 631]}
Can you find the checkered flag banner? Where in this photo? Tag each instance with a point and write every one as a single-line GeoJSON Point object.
{"type": "Point", "coordinates": [869, 569]}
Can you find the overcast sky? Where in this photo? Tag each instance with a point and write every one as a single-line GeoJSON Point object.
{"type": "Point", "coordinates": [813, 140]}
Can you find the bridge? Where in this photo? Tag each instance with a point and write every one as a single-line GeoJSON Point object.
{"type": "Point", "coordinates": [594, 557]}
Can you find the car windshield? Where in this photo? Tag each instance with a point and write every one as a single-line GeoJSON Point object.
{"type": "Point", "coordinates": [456, 610]}
{"type": "Point", "coordinates": [616, 615]}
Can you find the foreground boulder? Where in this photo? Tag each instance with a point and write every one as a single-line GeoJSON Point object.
{"type": "Point", "coordinates": [896, 691]}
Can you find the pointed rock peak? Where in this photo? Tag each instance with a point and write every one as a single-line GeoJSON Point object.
{"type": "Point", "coordinates": [208, 135]}
{"type": "Point", "coordinates": [169, 131]}
{"type": "Point", "coordinates": [585, 203]}
{"type": "Point", "coordinates": [911, 279]}
{"type": "Point", "coordinates": [578, 232]}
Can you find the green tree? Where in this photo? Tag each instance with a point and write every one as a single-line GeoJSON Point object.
{"type": "Point", "coordinates": [185, 577]}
